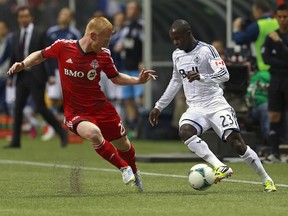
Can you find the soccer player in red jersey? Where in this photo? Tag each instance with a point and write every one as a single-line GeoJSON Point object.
{"type": "Point", "coordinates": [87, 111]}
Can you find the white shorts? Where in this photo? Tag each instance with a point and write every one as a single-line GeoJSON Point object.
{"type": "Point", "coordinates": [54, 91]}
{"type": "Point", "coordinates": [222, 121]}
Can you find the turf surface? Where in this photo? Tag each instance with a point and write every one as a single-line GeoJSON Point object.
{"type": "Point", "coordinates": [43, 179]}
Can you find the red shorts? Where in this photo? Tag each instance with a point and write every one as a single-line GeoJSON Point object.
{"type": "Point", "coordinates": [107, 119]}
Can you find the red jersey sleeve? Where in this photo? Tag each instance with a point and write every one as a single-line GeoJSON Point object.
{"type": "Point", "coordinates": [53, 50]}
{"type": "Point", "coordinates": [108, 66]}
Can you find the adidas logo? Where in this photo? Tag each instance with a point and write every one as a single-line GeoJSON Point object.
{"type": "Point", "coordinates": [69, 61]}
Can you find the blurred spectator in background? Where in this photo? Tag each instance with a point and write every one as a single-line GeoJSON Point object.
{"type": "Point", "coordinates": [111, 90]}
{"type": "Point", "coordinates": [119, 20]}
{"type": "Point", "coordinates": [5, 51]}
{"type": "Point", "coordinates": [6, 91]}
{"type": "Point", "coordinates": [252, 34]}
{"type": "Point", "coordinates": [109, 7]}
{"type": "Point", "coordinates": [32, 80]}
{"type": "Point", "coordinates": [275, 53]}
{"type": "Point", "coordinates": [130, 45]}
{"type": "Point", "coordinates": [257, 101]}
{"type": "Point", "coordinates": [257, 31]}
{"type": "Point", "coordinates": [63, 30]}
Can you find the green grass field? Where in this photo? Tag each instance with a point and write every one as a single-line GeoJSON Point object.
{"type": "Point", "coordinates": [43, 179]}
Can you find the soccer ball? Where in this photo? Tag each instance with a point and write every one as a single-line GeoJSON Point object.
{"type": "Point", "coordinates": [201, 177]}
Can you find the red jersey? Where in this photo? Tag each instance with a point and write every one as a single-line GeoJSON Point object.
{"type": "Point", "coordinates": [80, 76]}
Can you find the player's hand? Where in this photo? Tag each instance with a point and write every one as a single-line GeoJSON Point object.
{"type": "Point", "coordinates": [146, 75]}
{"type": "Point", "coordinates": [192, 75]}
{"type": "Point", "coordinates": [16, 67]}
{"type": "Point", "coordinates": [153, 117]}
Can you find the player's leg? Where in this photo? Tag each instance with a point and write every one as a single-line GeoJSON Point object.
{"type": "Point", "coordinates": [191, 124]}
{"type": "Point", "coordinates": [201, 149]}
{"type": "Point", "coordinates": [105, 149]}
{"type": "Point", "coordinates": [226, 125]}
{"type": "Point", "coordinates": [251, 158]}
{"type": "Point", "coordinates": [124, 147]}
{"type": "Point", "coordinates": [127, 153]}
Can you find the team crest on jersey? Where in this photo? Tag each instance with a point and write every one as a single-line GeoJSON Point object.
{"type": "Point", "coordinates": [94, 64]}
{"type": "Point", "coordinates": [197, 59]}
{"type": "Point", "coordinates": [91, 74]}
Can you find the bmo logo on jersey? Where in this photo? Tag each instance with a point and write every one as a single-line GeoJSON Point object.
{"type": "Point", "coordinates": [72, 73]}
{"type": "Point", "coordinates": [90, 75]}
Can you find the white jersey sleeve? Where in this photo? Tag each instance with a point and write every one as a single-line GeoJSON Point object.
{"type": "Point", "coordinates": [200, 94]}
{"type": "Point", "coordinates": [172, 89]}
{"type": "Point", "coordinates": [220, 73]}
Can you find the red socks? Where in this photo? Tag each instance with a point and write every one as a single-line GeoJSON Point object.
{"type": "Point", "coordinates": [129, 157]}
{"type": "Point", "coordinates": [109, 153]}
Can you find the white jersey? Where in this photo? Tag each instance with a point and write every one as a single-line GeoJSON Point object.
{"type": "Point", "coordinates": [204, 93]}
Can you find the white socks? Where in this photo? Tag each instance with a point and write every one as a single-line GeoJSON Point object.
{"type": "Point", "coordinates": [252, 159]}
{"type": "Point", "coordinates": [201, 149]}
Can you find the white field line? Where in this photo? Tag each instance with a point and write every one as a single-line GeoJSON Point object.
{"type": "Point", "coordinates": [30, 163]}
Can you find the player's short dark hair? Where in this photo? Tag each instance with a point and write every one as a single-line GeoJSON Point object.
{"type": "Point", "coordinates": [263, 5]}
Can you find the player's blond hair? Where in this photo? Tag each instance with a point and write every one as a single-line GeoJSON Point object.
{"type": "Point", "coordinates": [98, 25]}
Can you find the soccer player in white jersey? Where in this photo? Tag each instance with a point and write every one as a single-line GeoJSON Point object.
{"type": "Point", "coordinates": [199, 68]}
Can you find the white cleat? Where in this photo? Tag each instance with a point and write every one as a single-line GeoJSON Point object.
{"type": "Point", "coordinates": [137, 184]}
{"type": "Point", "coordinates": [127, 175]}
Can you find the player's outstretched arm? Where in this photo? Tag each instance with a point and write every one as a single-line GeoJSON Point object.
{"type": "Point", "coordinates": [31, 60]}
{"type": "Point", "coordinates": [144, 76]}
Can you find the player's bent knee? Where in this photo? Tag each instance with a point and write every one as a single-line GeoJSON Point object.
{"type": "Point", "coordinates": [122, 144]}
{"type": "Point", "coordinates": [186, 132]}
{"type": "Point", "coordinates": [93, 135]}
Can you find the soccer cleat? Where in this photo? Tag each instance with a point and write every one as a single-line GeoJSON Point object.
{"type": "Point", "coordinates": [269, 186]}
{"type": "Point", "coordinates": [127, 175]}
{"type": "Point", "coordinates": [222, 172]}
{"type": "Point", "coordinates": [137, 184]}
